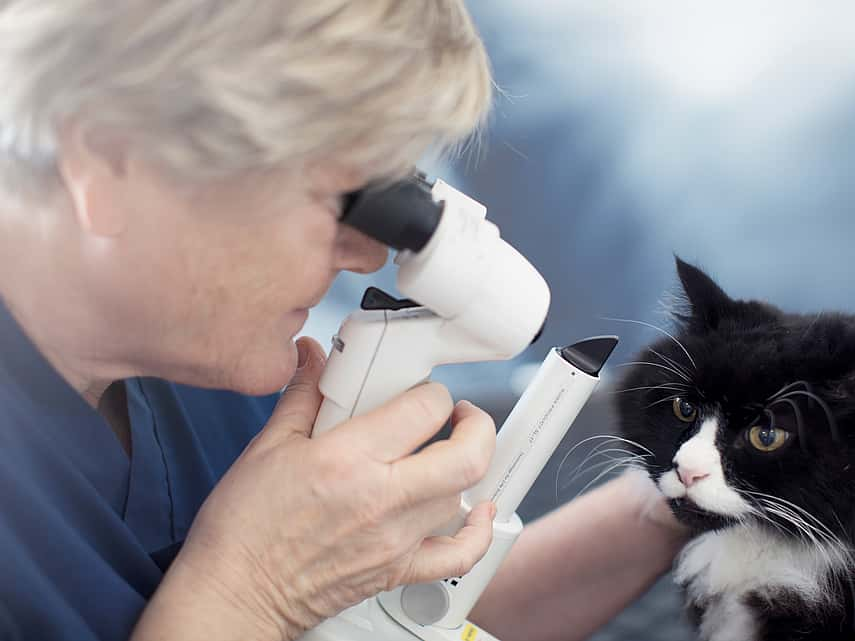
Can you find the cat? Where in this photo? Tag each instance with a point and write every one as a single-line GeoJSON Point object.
{"type": "Point", "coordinates": [746, 415]}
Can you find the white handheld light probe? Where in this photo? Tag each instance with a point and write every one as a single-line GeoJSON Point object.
{"type": "Point", "coordinates": [528, 437]}
{"type": "Point", "coordinates": [479, 299]}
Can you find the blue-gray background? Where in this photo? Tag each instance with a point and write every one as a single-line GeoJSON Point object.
{"type": "Point", "coordinates": [628, 131]}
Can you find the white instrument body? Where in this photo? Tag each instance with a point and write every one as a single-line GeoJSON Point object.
{"type": "Point", "coordinates": [478, 300]}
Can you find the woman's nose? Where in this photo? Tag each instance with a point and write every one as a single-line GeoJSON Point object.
{"type": "Point", "coordinates": [359, 253]}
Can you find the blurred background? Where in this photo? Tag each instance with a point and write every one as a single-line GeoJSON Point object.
{"type": "Point", "coordinates": [626, 132]}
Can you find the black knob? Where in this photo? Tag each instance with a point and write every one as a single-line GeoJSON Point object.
{"type": "Point", "coordinates": [376, 299]}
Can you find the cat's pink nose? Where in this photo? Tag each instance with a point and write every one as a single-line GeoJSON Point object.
{"type": "Point", "coordinates": [689, 476]}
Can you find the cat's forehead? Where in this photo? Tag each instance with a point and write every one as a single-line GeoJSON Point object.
{"type": "Point", "coordinates": [747, 364]}
{"type": "Point", "coordinates": [741, 366]}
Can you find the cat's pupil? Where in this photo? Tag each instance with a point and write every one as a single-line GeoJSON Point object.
{"type": "Point", "coordinates": [767, 436]}
{"type": "Point", "coordinates": [686, 409]}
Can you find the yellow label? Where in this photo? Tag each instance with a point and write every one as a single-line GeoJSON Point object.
{"type": "Point", "coordinates": [470, 633]}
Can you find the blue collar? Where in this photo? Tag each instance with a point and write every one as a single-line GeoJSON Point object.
{"type": "Point", "coordinates": [23, 366]}
{"type": "Point", "coordinates": [51, 415]}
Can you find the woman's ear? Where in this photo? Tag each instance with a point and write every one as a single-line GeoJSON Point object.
{"type": "Point", "coordinates": [93, 168]}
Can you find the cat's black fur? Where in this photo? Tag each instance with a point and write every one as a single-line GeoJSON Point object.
{"type": "Point", "coordinates": [728, 358]}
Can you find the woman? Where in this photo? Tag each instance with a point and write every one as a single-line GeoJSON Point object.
{"type": "Point", "coordinates": [169, 189]}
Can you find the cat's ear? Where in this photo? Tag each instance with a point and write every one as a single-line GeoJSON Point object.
{"type": "Point", "coordinates": [707, 302]}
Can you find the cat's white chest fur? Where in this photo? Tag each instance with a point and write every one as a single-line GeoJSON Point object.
{"type": "Point", "coordinates": [719, 569]}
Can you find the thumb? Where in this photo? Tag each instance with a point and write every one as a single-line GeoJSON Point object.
{"type": "Point", "coordinates": [445, 556]}
{"type": "Point", "coordinates": [298, 405]}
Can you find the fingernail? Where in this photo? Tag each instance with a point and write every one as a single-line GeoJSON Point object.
{"type": "Point", "coordinates": [302, 355]}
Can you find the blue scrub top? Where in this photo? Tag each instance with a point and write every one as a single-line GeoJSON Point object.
{"type": "Point", "coordinates": [86, 533]}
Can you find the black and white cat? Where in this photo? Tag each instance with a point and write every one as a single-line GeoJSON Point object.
{"type": "Point", "coordinates": [747, 415]}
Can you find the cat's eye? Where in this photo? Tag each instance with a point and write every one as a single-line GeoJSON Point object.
{"type": "Point", "coordinates": [767, 438]}
{"type": "Point", "coordinates": [684, 410]}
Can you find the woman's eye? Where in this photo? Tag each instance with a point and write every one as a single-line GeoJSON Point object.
{"type": "Point", "coordinates": [684, 410]}
{"type": "Point", "coordinates": [767, 438]}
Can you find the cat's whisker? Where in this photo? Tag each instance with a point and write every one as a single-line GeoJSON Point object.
{"type": "Point", "coordinates": [592, 456]}
{"type": "Point", "coordinates": [615, 462]}
{"type": "Point", "coordinates": [790, 386]}
{"type": "Point", "coordinates": [595, 437]}
{"type": "Point", "coordinates": [659, 365]}
{"type": "Point", "coordinates": [839, 522]}
{"type": "Point", "coordinates": [821, 537]}
{"type": "Point", "coordinates": [658, 329]}
{"type": "Point", "coordinates": [789, 516]}
{"type": "Point", "coordinates": [812, 323]}
{"type": "Point", "coordinates": [674, 387]}
{"type": "Point", "coordinates": [795, 519]}
{"type": "Point", "coordinates": [662, 400]}
{"type": "Point", "coordinates": [599, 452]}
{"type": "Point", "coordinates": [633, 443]}
{"type": "Point", "coordinates": [605, 472]}
{"type": "Point", "coordinates": [763, 516]}
{"type": "Point", "coordinates": [829, 415]}
{"type": "Point", "coordinates": [606, 438]}
{"type": "Point", "coordinates": [822, 543]}
{"type": "Point", "coordinates": [671, 362]}
{"type": "Point", "coordinates": [770, 414]}
{"type": "Point", "coordinates": [584, 467]}
{"type": "Point", "coordinates": [805, 529]}
{"type": "Point", "coordinates": [797, 412]}
{"type": "Point", "coordinates": [821, 540]}
{"type": "Point", "coordinates": [793, 506]}
{"type": "Point", "coordinates": [610, 437]}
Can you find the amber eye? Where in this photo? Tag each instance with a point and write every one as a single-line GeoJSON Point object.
{"type": "Point", "coordinates": [767, 438]}
{"type": "Point", "coordinates": [684, 410]}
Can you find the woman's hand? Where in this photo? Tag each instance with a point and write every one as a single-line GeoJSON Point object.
{"type": "Point", "coordinates": [300, 529]}
{"type": "Point", "coordinates": [651, 505]}
{"type": "Point", "coordinates": [613, 543]}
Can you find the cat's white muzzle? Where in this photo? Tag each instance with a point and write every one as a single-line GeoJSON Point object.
{"type": "Point", "coordinates": [706, 485]}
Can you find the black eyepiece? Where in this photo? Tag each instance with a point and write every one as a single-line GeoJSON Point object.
{"type": "Point", "coordinates": [401, 215]}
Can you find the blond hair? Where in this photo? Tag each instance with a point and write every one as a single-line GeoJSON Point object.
{"type": "Point", "coordinates": [214, 87]}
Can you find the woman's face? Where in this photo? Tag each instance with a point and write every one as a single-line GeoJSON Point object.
{"type": "Point", "coordinates": [211, 285]}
